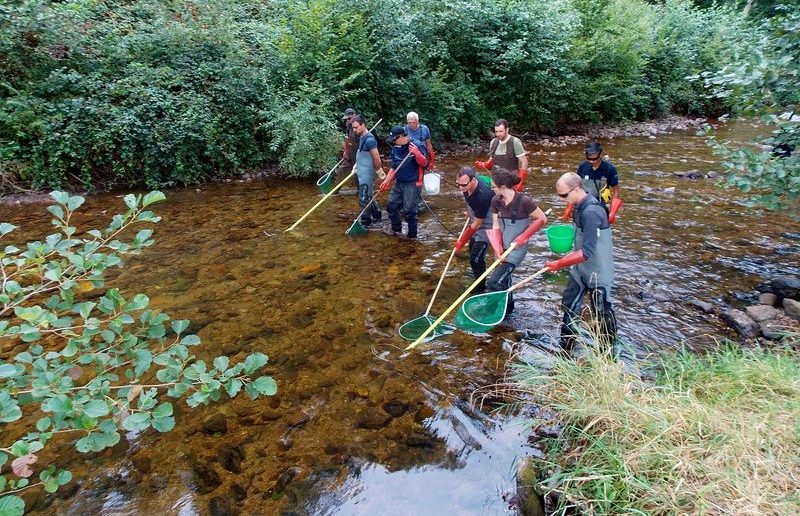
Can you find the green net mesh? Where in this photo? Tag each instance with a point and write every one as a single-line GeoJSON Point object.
{"type": "Point", "coordinates": [356, 229]}
{"type": "Point", "coordinates": [414, 328]}
{"type": "Point", "coordinates": [482, 312]}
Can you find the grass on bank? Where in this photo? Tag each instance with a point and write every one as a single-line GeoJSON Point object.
{"type": "Point", "coordinates": [714, 434]}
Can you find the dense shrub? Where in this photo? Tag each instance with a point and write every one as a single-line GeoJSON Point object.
{"type": "Point", "coordinates": [166, 92]}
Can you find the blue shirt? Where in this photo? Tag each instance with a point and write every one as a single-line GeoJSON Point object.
{"type": "Point", "coordinates": [367, 143]}
{"type": "Point", "coordinates": [605, 171]}
{"type": "Point", "coordinates": [409, 172]}
{"type": "Point", "coordinates": [421, 134]}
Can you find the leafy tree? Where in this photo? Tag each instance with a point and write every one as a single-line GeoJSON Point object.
{"type": "Point", "coordinates": [88, 366]}
{"type": "Point", "coordinates": [770, 169]}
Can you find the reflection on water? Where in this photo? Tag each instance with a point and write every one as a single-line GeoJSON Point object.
{"type": "Point", "coordinates": [359, 427]}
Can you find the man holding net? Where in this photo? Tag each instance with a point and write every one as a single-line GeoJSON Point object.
{"type": "Point", "coordinates": [591, 264]}
{"type": "Point", "coordinates": [478, 197]}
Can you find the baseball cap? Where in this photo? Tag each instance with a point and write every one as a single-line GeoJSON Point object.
{"type": "Point", "coordinates": [348, 113]}
{"type": "Point", "coordinates": [396, 131]}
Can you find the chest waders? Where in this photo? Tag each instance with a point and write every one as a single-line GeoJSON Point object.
{"type": "Point", "coordinates": [596, 276]}
{"type": "Point", "coordinates": [507, 161]}
{"type": "Point", "coordinates": [595, 188]}
{"type": "Point", "coordinates": [365, 172]}
{"type": "Point", "coordinates": [478, 245]}
{"type": "Point", "coordinates": [511, 229]}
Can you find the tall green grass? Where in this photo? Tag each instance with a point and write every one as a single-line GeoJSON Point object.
{"type": "Point", "coordinates": [714, 434]}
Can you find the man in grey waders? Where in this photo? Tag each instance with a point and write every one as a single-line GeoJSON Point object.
{"type": "Point", "coordinates": [591, 264]}
{"type": "Point", "coordinates": [368, 164]}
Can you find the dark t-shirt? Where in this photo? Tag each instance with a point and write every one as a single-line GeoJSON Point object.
{"type": "Point", "coordinates": [481, 200]}
{"type": "Point", "coordinates": [367, 143]}
{"type": "Point", "coordinates": [526, 206]}
{"type": "Point", "coordinates": [605, 171]}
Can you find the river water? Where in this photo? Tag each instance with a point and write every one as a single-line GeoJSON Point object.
{"type": "Point", "coordinates": [358, 426]}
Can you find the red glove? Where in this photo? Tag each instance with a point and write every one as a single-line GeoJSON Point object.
{"type": "Point", "coordinates": [420, 176]}
{"type": "Point", "coordinates": [568, 212]}
{"type": "Point", "coordinates": [387, 183]}
{"type": "Point", "coordinates": [535, 226]}
{"type": "Point", "coordinates": [616, 204]}
{"type": "Point", "coordinates": [422, 161]}
{"type": "Point", "coordinates": [523, 173]}
{"type": "Point", "coordinates": [485, 164]}
{"type": "Point", "coordinates": [431, 160]}
{"type": "Point", "coordinates": [572, 258]}
{"type": "Point", "coordinates": [496, 239]}
{"type": "Point", "coordinates": [465, 236]}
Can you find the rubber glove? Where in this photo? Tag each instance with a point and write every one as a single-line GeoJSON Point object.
{"type": "Point", "coordinates": [420, 176]}
{"type": "Point", "coordinates": [496, 239]}
{"type": "Point", "coordinates": [485, 164]}
{"type": "Point", "coordinates": [422, 161]}
{"type": "Point", "coordinates": [616, 204]}
{"type": "Point", "coordinates": [523, 173]}
{"type": "Point", "coordinates": [387, 183]}
{"type": "Point", "coordinates": [381, 174]}
{"type": "Point", "coordinates": [567, 216]}
{"type": "Point", "coordinates": [431, 160]}
{"type": "Point", "coordinates": [465, 236]}
{"type": "Point", "coordinates": [535, 226]}
{"type": "Point", "coordinates": [572, 258]}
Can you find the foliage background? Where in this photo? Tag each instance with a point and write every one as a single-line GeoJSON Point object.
{"type": "Point", "coordinates": [164, 92]}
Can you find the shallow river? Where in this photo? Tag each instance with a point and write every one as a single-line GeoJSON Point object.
{"type": "Point", "coordinates": [359, 427]}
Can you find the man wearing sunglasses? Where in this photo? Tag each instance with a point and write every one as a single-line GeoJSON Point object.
{"type": "Point", "coordinates": [591, 264]}
{"type": "Point", "coordinates": [599, 179]}
{"type": "Point", "coordinates": [478, 197]}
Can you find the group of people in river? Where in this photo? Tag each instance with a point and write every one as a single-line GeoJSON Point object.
{"type": "Point", "coordinates": [500, 211]}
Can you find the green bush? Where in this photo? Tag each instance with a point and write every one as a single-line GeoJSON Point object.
{"type": "Point", "coordinates": [155, 93]}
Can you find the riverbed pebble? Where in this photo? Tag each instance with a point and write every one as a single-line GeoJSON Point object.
{"type": "Point", "coordinates": [762, 312]}
{"type": "Point", "coordinates": [792, 308]}
{"type": "Point", "coordinates": [741, 322]}
{"type": "Point", "coordinates": [768, 298]}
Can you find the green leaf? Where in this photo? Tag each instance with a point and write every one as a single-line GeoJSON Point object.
{"type": "Point", "coordinates": [254, 362]}
{"type": "Point", "coordinates": [164, 424]}
{"type": "Point", "coordinates": [266, 385]}
{"type": "Point", "coordinates": [60, 197]}
{"type": "Point", "coordinates": [12, 506]}
{"type": "Point", "coordinates": [179, 326]}
{"type": "Point", "coordinates": [154, 196]}
{"type": "Point", "coordinates": [233, 386]}
{"type": "Point", "coordinates": [7, 370]}
{"type": "Point", "coordinates": [6, 228]}
{"type": "Point", "coordinates": [163, 410]}
{"type": "Point", "coordinates": [190, 340]}
{"type": "Point", "coordinates": [136, 422]}
{"type": "Point", "coordinates": [51, 485]}
{"type": "Point", "coordinates": [130, 201]}
{"type": "Point", "coordinates": [57, 404]}
{"type": "Point", "coordinates": [43, 424]}
{"type": "Point", "coordinates": [63, 477]}
{"type": "Point", "coordinates": [30, 314]}
{"type": "Point", "coordinates": [96, 408]}
{"type": "Point", "coordinates": [56, 210]}
{"type": "Point", "coordinates": [221, 363]}
{"type": "Point", "coordinates": [75, 202]}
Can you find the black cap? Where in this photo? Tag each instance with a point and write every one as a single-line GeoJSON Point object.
{"type": "Point", "coordinates": [396, 131]}
{"type": "Point", "coordinates": [348, 113]}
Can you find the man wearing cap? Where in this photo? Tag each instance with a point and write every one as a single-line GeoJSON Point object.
{"type": "Point", "coordinates": [591, 264]}
{"type": "Point", "coordinates": [350, 142]}
{"type": "Point", "coordinates": [368, 164]}
{"type": "Point", "coordinates": [506, 152]}
{"type": "Point", "coordinates": [420, 133]}
{"type": "Point", "coordinates": [406, 190]}
{"type": "Point", "coordinates": [600, 179]}
{"type": "Point", "coordinates": [478, 197]}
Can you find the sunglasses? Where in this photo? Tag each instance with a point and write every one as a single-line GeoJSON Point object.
{"type": "Point", "coordinates": [596, 158]}
{"type": "Point", "coordinates": [463, 185]}
{"type": "Point", "coordinates": [565, 195]}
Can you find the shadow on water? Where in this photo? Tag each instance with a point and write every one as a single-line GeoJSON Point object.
{"type": "Point", "coordinates": [359, 427]}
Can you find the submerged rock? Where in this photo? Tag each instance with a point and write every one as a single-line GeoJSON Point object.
{"type": "Point", "coordinates": [372, 420]}
{"type": "Point", "coordinates": [219, 506]}
{"type": "Point", "coordinates": [206, 478]}
{"type": "Point", "coordinates": [215, 424]}
{"type": "Point", "coordinates": [792, 308]}
{"type": "Point", "coordinates": [787, 286]}
{"type": "Point", "coordinates": [768, 298]}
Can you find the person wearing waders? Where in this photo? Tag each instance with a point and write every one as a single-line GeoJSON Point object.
{"type": "Point", "coordinates": [420, 133]}
{"type": "Point", "coordinates": [368, 164]}
{"type": "Point", "coordinates": [600, 179]}
{"type": "Point", "coordinates": [515, 218]}
{"type": "Point", "coordinates": [350, 143]}
{"type": "Point", "coordinates": [406, 190]}
{"type": "Point", "coordinates": [591, 264]}
{"type": "Point", "coordinates": [506, 153]}
{"type": "Point", "coordinates": [478, 197]}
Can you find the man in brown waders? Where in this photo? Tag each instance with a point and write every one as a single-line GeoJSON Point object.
{"type": "Point", "coordinates": [350, 145]}
{"type": "Point", "coordinates": [507, 153]}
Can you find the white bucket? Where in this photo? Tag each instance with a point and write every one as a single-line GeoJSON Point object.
{"type": "Point", "coordinates": [432, 183]}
